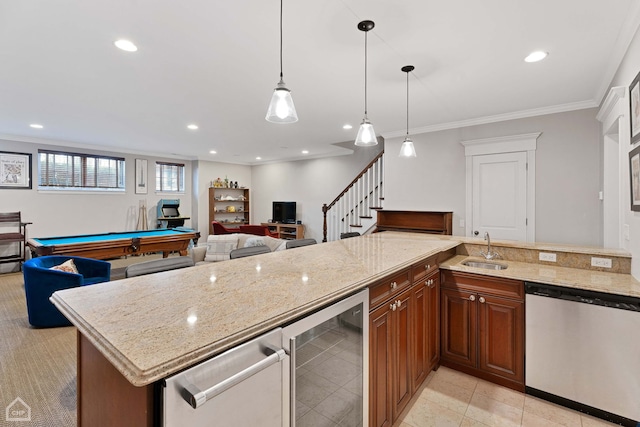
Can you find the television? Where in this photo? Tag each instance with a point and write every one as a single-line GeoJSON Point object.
{"type": "Point", "coordinates": [169, 211]}
{"type": "Point", "coordinates": [284, 212]}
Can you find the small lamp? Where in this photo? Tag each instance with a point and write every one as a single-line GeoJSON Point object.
{"type": "Point", "coordinates": [366, 135]}
{"type": "Point", "coordinates": [407, 149]}
{"type": "Point", "coordinates": [281, 108]}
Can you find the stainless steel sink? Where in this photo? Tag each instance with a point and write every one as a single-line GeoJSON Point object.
{"type": "Point", "coordinates": [487, 265]}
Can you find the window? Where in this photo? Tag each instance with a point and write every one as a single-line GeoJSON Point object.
{"type": "Point", "coordinates": [63, 171]}
{"type": "Point", "coordinates": [170, 177]}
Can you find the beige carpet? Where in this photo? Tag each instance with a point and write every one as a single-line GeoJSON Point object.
{"type": "Point", "coordinates": [39, 365]}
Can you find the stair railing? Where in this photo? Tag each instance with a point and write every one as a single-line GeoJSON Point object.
{"type": "Point", "coordinates": [356, 202]}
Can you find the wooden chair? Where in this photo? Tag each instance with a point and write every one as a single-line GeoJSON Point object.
{"type": "Point", "coordinates": [12, 231]}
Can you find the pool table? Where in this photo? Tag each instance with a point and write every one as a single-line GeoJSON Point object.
{"type": "Point", "coordinates": [114, 245]}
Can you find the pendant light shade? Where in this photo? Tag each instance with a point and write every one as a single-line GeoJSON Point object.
{"type": "Point", "coordinates": [366, 135]}
{"type": "Point", "coordinates": [407, 149]}
{"type": "Point", "coordinates": [281, 108]}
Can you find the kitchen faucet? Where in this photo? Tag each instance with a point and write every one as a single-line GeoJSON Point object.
{"type": "Point", "coordinates": [489, 254]}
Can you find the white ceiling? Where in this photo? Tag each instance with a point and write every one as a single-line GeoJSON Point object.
{"type": "Point", "coordinates": [215, 63]}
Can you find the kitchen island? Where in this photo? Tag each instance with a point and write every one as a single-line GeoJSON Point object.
{"type": "Point", "coordinates": [149, 327]}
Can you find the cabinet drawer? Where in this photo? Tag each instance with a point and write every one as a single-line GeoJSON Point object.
{"type": "Point", "coordinates": [389, 287]}
{"type": "Point", "coordinates": [424, 268]}
{"type": "Point", "coordinates": [498, 286]}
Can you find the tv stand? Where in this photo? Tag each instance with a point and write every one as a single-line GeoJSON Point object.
{"type": "Point", "coordinates": [286, 231]}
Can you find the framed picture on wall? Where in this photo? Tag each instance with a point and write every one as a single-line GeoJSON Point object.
{"type": "Point", "coordinates": [634, 173]}
{"type": "Point", "coordinates": [15, 170]}
{"type": "Point", "coordinates": [141, 176]}
{"type": "Point", "coordinates": [634, 104]}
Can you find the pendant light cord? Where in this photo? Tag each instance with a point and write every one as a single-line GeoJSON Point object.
{"type": "Point", "coordinates": [281, 39]}
{"type": "Point", "coordinates": [365, 74]}
{"type": "Point", "coordinates": [407, 103]}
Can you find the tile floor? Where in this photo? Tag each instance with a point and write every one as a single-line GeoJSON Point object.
{"type": "Point", "coordinates": [451, 398]}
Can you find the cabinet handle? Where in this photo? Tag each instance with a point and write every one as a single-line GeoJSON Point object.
{"type": "Point", "coordinates": [399, 303]}
{"type": "Point", "coordinates": [472, 298]}
{"type": "Point", "coordinates": [428, 266]}
{"type": "Point", "coordinates": [394, 285]}
{"type": "Point", "coordinates": [393, 307]}
{"type": "Point", "coordinates": [433, 284]}
{"type": "Point", "coordinates": [481, 299]}
{"type": "Point", "coordinates": [430, 283]}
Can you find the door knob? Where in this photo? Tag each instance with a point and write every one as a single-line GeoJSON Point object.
{"type": "Point", "coordinates": [475, 233]}
{"type": "Point", "coordinates": [472, 298]}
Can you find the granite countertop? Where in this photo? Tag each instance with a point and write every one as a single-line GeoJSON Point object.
{"type": "Point", "coordinates": [150, 327]}
{"type": "Point", "coordinates": [613, 283]}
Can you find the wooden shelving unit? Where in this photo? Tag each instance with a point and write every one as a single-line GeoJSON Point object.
{"type": "Point", "coordinates": [229, 206]}
{"type": "Point", "coordinates": [286, 231]}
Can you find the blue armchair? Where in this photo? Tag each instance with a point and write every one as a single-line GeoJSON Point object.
{"type": "Point", "coordinates": [40, 282]}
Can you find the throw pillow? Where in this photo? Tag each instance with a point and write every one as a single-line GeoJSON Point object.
{"type": "Point", "coordinates": [67, 266]}
{"type": "Point", "coordinates": [219, 246]}
{"type": "Point", "coordinates": [254, 241]}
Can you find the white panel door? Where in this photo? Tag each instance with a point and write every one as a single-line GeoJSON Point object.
{"type": "Point", "coordinates": [499, 196]}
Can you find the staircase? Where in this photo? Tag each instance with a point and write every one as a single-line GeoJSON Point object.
{"type": "Point", "coordinates": [354, 210]}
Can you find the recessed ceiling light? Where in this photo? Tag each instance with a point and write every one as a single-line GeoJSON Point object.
{"type": "Point", "coordinates": [536, 56]}
{"type": "Point", "coordinates": [193, 127]}
{"type": "Point", "coordinates": [305, 151]}
{"type": "Point", "coordinates": [213, 152]}
{"type": "Point", "coordinates": [36, 126]}
{"type": "Point", "coordinates": [347, 126]}
{"type": "Point", "coordinates": [125, 45]}
{"type": "Point", "coordinates": [258, 158]}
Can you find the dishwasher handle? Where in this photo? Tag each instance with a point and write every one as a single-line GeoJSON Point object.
{"type": "Point", "coordinates": [196, 397]}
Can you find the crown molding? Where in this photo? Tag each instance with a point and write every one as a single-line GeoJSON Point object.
{"type": "Point", "coordinates": [562, 108]}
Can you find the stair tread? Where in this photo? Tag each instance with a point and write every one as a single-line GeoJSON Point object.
{"type": "Point", "coordinates": [355, 225]}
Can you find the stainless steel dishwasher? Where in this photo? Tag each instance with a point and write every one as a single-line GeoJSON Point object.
{"type": "Point", "coordinates": [582, 350]}
{"type": "Point", "coordinates": [241, 387]}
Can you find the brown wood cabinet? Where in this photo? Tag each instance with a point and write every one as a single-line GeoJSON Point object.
{"type": "Point", "coordinates": [482, 329]}
{"type": "Point", "coordinates": [404, 338]}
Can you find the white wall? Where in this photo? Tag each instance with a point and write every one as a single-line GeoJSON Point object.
{"type": "Point", "coordinates": [68, 213]}
{"type": "Point", "coordinates": [567, 174]}
{"type": "Point", "coordinates": [627, 71]}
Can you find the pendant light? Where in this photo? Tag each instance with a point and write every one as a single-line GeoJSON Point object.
{"type": "Point", "coordinates": [407, 149]}
{"type": "Point", "coordinates": [281, 108]}
{"type": "Point", "coordinates": [366, 135]}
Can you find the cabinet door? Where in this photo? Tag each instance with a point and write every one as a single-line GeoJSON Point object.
{"type": "Point", "coordinates": [380, 366]}
{"type": "Point", "coordinates": [458, 332]}
{"type": "Point", "coordinates": [420, 334]}
{"type": "Point", "coordinates": [402, 317]}
{"type": "Point", "coordinates": [426, 328]}
{"type": "Point", "coordinates": [501, 337]}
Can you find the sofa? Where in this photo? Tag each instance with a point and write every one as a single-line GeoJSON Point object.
{"type": "Point", "coordinates": [219, 246]}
